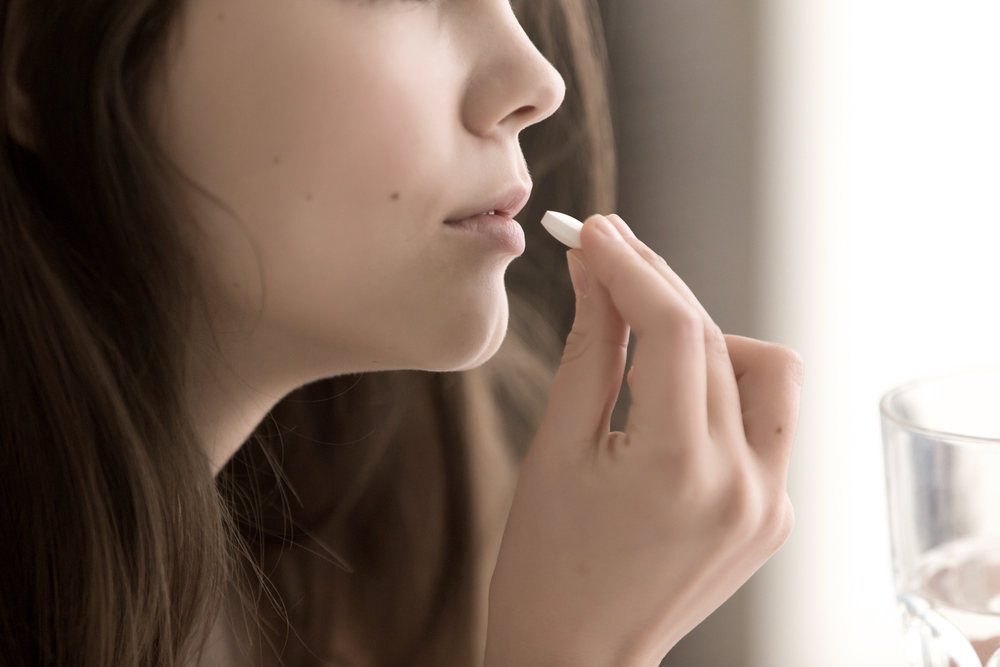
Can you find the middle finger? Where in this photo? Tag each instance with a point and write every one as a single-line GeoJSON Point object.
{"type": "Point", "coordinates": [723, 393]}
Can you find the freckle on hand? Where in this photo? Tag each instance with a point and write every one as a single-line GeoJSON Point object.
{"type": "Point", "coordinates": [394, 196]}
{"type": "Point", "coordinates": [781, 429]}
{"type": "Point", "coordinates": [277, 159]}
{"type": "Point", "coordinates": [309, 196]}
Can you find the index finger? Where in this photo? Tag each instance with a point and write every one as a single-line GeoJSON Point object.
{"type": "Point", "coordinates": [723, 393]}
{"type": "Point", "coordinates": [669, 383]}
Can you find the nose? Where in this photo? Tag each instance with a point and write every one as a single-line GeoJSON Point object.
{"type": "Point", "coordinates": [511, 84]}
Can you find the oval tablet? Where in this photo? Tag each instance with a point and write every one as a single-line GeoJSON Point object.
{"type": "Point", "coordinates": [565, 228]}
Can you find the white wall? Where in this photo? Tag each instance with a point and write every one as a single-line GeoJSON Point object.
{"type": "Point", "coordinates": [879, 260]}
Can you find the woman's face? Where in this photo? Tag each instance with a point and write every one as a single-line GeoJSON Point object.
{"type": "Point", "coordinates": [344, 136]}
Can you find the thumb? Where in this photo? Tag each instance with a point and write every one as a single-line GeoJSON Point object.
{"type": "Point", "coordinates": [589, 377]}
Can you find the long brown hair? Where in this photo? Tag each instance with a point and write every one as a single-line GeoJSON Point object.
{"type": "Point", "coordinates": [112, 550]}
{"type": "Point", "coordinates": [114, 529]}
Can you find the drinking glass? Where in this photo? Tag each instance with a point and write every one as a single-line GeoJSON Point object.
{"type": "Point", "coordinates": [942, 457]}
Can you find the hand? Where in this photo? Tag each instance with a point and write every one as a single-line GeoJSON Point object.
{"type": "Point", "coordinates": [618, 544]}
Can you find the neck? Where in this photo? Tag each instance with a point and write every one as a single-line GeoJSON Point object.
{"type": "Point", "coordinates": [234, 377]}
{"type": "Point", "coordinates": [227, 400]}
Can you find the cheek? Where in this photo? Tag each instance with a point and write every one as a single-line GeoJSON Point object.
{"type": "Point", "coordinates": [336, 154]}
{"type": "Point", "coordinates": [407, 311]}
{"type": "Point", "coordinates": [297, 119]}
{"type": "Point", "coordinates": [340, 161]}
{"type": "Point", "coordinates": [363, 256]}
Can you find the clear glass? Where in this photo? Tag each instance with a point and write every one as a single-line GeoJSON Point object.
{"type": "Point", "coordinates": [942, 454]}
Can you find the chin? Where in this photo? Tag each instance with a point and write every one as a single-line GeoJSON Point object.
{"type": "Point", "coordinates": [473, 347]}
{"type": "Point", "coordinates": [487, 351]}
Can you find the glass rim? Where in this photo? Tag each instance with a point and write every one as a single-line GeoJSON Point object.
{"type": "Point", "coordinates": [888, 413]}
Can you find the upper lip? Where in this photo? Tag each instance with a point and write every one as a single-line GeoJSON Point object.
{"type": "Point", "coordinates": [509, 203]}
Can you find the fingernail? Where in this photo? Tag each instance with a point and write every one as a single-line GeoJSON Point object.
{"type": "Point", "coordinates": [604, 226]}
{"type": "Point", "coordinates": [614, 217]}
{"type": "Point", "coordinates": [578, 274]}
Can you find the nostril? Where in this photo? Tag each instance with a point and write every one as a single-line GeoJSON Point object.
{"type": "Point", "coordinates": [526, 110]}
{"type": "Point", "coordinates": [523, 116]}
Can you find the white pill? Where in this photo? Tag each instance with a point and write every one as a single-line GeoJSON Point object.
{"type": "Point", "coordinates": [565, 228]}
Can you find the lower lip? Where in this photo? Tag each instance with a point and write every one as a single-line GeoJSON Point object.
{"type": "Point", "coordinates": [499, 229]}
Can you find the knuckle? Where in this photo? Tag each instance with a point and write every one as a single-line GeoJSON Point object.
{"type": "Point", "coordinates": [794, 367]}
{"type": "Point", "coordinates": [787, 522]}
{"type": "Point", "coordinates": [577, 343]}
{"type": "Point", "coordinates": [741, 507]}
{"type": "Point", "coordinates": [657, 261]}
{"type": "Point", "coordinates": [788, 364]}
{"type": "Point", "coordinates": [780, 521]}
{"type": "Point", "coordinates": [715, 340]}
{"type": "Point", "coordinates": [726, 502]}
{"type": "Point", "coordinates": [646, 252]}
{"type": "Point", "coordinates": [681, 324]}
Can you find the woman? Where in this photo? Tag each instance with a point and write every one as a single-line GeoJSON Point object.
{"type": "Point", "coordinates": [210, 203]}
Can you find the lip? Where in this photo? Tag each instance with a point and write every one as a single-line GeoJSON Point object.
{"type": "Point", "coordinates": [500, 230]}
{"type": "Point", "coordinates": [506, 205]}
{"type": "Point", "coordinates": [494, 220]}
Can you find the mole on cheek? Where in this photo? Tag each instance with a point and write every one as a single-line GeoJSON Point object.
{"type": "Point", "coordinates": [394, 196]}
{"type": "Point", "coordinates": [277, 159]}
{"type": "Point", "coordinates": [309, 196]}
{"type": "Point", "coordinates": [222, 17]}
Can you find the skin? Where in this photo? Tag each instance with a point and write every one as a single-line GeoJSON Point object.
{"type": "Point", "coordinates": [342, 136]}
{"type": "Point", "coordinates": [618, 544]}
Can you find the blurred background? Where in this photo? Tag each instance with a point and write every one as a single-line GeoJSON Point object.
{"type": "Point", "coordinates": [824, 174]}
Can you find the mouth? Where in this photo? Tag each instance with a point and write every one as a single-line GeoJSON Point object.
{"type": "Point", "coordinates": [504, 206]}
{"type": "Point", "coordinates": [494, 221]}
